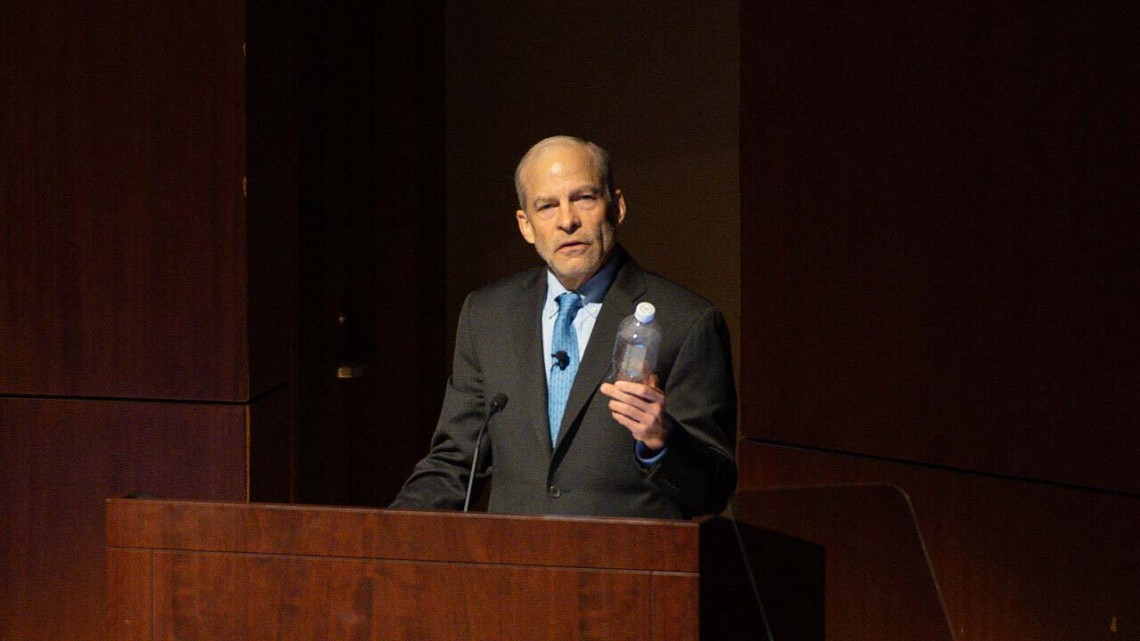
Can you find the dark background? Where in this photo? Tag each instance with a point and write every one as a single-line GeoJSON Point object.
{"type": "Point", "coordinates": [919, 222]}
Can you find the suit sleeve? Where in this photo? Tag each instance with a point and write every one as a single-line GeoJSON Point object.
{"type": "Point", "coordinates": [439, 480]}
{"type": "Point", "coordinates": [698, 470]}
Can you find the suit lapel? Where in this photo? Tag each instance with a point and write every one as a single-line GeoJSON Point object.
{"type": "Point", "coordinates": [618, 303]}
{"type": "Point", "coordinates": [528, 356]}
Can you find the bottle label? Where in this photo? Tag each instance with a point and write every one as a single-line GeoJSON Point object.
{"type": "Point", "coordinates": [633, 363]}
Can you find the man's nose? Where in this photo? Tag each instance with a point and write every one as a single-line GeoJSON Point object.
{"type": "Point", "coordinates": [567, 217]}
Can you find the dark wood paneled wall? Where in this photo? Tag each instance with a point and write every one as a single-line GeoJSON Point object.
{"type": "Point", "coordinates": [940, 287]}
{"type": "Point", "coordinates": [122, 154]}
{"type": "Point", "coordinates": [1014, 560]}
{"type": "Point", "coordinates": [138, 302]}
{"type": "Point", "coordinates": [59, 460]}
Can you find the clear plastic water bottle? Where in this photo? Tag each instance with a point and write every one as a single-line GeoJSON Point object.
{"type": "Point", "coordinates": [636, 346]}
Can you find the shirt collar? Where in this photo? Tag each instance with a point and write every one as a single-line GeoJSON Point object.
{"type": "Point", "coordinates": [592, 291]}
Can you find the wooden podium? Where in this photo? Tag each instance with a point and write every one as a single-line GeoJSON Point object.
{"type": "Point", "coordinates": [194, 570]}
{"type": "Point", "coordinates": [186, 570]}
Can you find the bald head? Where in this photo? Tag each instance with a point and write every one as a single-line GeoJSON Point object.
{"type": "Point", "coordinates": [599, 157]}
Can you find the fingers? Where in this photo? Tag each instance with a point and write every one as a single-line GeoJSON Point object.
{"type": "Point", "coordinates": [640, 408]}
{"type": "Point", "coordinates": [630, 424]}
{"type": "Point", "coordinates": [638, 394]}
{"type": "Point", "coordinates": [642, 404]}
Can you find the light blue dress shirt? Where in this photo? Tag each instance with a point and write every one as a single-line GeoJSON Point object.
{"type": "Point", "coordinates": [592, 293]}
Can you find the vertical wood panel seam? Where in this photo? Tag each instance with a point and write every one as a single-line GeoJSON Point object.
{"type": "Point", "coordinates": [653, 606]}
{"type": "Point", "coordinates": [153, 608]}
{"type": "Point", "coordinates": [248, 458]}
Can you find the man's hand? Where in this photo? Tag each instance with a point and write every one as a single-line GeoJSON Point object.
{"type": "Point", "coordinates": [641, 409]}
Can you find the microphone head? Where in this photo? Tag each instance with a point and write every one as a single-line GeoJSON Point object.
{"type": "Point", "coordinates": [563, 359]}
{"type": "Point", "coordinates": [499, 402]}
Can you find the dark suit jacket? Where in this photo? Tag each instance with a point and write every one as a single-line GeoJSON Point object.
{"type": "Point", "coordinates": [592, 470]}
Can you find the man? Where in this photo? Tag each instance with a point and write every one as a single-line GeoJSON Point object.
{"type": "Point", "coordinates": [659, 449]}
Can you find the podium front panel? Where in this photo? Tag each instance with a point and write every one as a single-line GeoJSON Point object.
{"type": "Point", "coordinates": [179, 570]}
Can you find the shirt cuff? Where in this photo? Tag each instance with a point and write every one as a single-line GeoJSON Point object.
{"type": "Point", "coordinates": [646, 456]}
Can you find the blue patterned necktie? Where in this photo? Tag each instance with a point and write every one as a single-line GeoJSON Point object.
{"type": "Point", "coordinates": [564, 347]}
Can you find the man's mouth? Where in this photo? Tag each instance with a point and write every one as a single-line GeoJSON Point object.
{"type": "Point", "coordinates": [572, 245]}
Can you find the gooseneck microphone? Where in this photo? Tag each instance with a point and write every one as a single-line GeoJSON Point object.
{"type": "Point", "coordinates": [497, 405]}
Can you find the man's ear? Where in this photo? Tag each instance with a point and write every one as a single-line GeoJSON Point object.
{"type": "Point", "coordinates": [617, 208]}
{"type": "Point", "coordinates": [524, 226]}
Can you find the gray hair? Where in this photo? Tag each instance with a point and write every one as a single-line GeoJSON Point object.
{"type": "Point", "coordinates": [600, 157]}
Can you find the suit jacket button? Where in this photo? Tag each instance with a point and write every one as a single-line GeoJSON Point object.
{"type": "Point", "coordinates": [554, 491]}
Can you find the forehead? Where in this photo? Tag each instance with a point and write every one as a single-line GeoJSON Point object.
{"type": "Point", "coordinates": [559, 166]}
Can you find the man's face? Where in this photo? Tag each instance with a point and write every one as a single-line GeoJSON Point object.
{"type": "Point", "coordinates": [566, 213]}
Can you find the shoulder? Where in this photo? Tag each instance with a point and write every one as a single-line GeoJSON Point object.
{"type": "Point", "coordinates": [678, 296]}
{"type": "Point", "coordinates": [507, 295]}
{"type": "Point", "coordinates": [668, 296]}
{"type": "Point", "coordinates": [684, 315]}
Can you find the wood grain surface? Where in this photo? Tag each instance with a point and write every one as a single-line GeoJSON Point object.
{"type": "Point", "coordinates": [232, 570]}
{"type": "Point", "coordinates": [1014, 560]}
